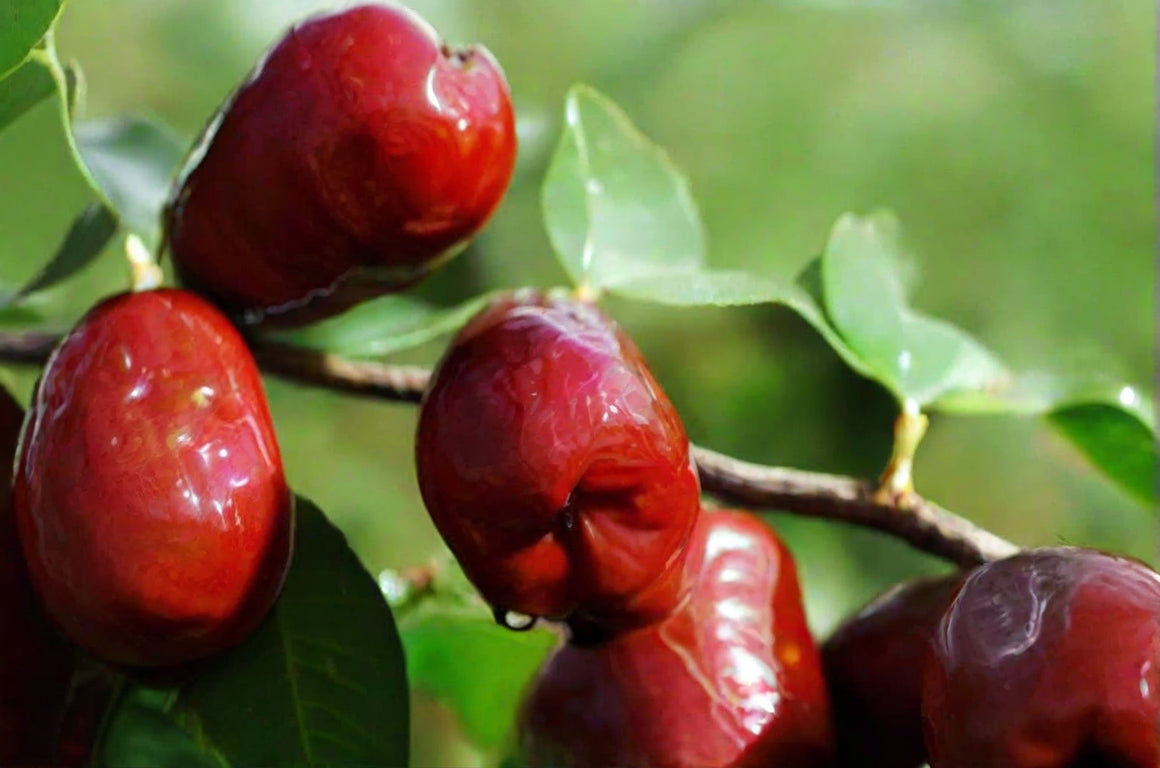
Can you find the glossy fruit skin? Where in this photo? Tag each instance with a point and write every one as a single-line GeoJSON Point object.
{"type": "Point", "coordinates": [555, 467]}
{"type": "Point", "coordinates": [149, 491]}
{"type": "Point", "coordinates": [1048, 659]}
{"type": "Point", "coordinates": [36, 663]}
{"type": "Point", "coordinates": [732, 679]}
{"type": "Point", "coordinates": [873, 668]}
{"type": "Point", "coordinates": [361, 153]}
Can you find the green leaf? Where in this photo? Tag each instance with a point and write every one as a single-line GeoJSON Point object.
{"type": "Point", "coordinates": [615, 207]}
{"type": "Point", "coordinates": [446, 648]}
{"type": "Point", "coordinates": [729, 288]}
{"type": "Point", "coordinates": [145, 729]}
{"type": "Point", "coordinates": [1122, 446]}
{"type": "Point", "coordinates": [918, 358]}
{"type": "Point", "coordinates": [1112, 424]}
{"type": "Point", "coordinates": [384, 326]}
{"type": "Point", "coordinates": [20, 316]}
{"type": "Point", "coordinates": [22, 25]}
{"type": "Point", "coordinates": [321, 683]}
{"type": "Point", "coordinates": [131, 162]}
{"type": "Point", "coordinates": [90, 232]}
{"type": "Point", "coordinates": [22, 90]}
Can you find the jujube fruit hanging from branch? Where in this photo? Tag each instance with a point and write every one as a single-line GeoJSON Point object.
{"type": "Point", "coordinates": [1048, 659]}
{"type": "Point", "coordinates": [35, 662]}
{"type": "Point", "coordinates": [731, 679]}
{"type": "Point", "coordinates": [873, 667]}
{"type": "Point", "coordinates": [149, 490]}
{"type": "Point", "coordinates": [361, 153]}
{"type": "Point", "coordinates": [555, 467]}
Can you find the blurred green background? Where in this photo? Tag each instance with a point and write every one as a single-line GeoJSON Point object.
{"type": "Point", "coordinates": [1014, 140]}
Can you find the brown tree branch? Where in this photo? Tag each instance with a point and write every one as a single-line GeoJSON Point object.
{"type": "Point", "coordinates": [920, 523]}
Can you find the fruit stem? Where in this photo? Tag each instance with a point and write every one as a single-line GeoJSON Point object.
{"type": "Point", "coordinates": [587, 293]}
{"type": "Point", "coordinates": [896, 485]}
{"type": "Point", "coordinates": [144, 272]}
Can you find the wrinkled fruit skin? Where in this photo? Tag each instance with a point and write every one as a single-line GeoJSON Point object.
{"type": "Point", "coordinates": [555, 467]}
{"type": "Point", "coordinates": [36, 664]}
{"type": "Point", "coordinates": [1048, 659]}
{"type": "Point", "coordinates": [360, 155]}
{"type": "Point", "coordinates": [873, 667]}
{"type": "Point", "coordinates": [149, 492]}
{"type": "Point", "coordinates": [731, 679]}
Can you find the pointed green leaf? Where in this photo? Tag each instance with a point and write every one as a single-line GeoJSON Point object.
{"type": "Point", "coordinates": [22, 90]}
{"type": "Point", "coordinates": [20, 316]}
{"type": "Point", "coordinates": [131, 161]}
{"type": "Point", "coordinates": [321, 683]}
{"type": "Point", "coordinates": [615, 206]}
{"type": "Point", "coordinates": [90, 232]}
{"type": "Point", "coordinates": [145, 728]}
{"type": "Point", "coordinates": [727, 288]}
{"type": "Point", "coordinates": [916, 357]}
{"type": "Point", "coordinates": [1112, 424]}
{"type": "Point", "coordinates": [384, 326]}
{"type": "Point", "coordinates": [22, 25]}
{"type": "Point", "coordinates": [1122, 446]}
{"type": "Point", "coordinates": [447, 647]}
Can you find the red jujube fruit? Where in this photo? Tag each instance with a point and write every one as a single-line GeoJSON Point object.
{"type": "Point", "coordinates": [732, 679]}
{"type": "Point", "coordinates": [1047, 659]}
{"type": "Point", "coordinates": [36, 663]}
{"type": "Point", "coordinates": [360, 154]}
{"type": "Point", "coordinates": [873, 668]}
{"type": "Point", "coordinates": [554, 466]}
{"type": "Point", "coordinates": [149, 492]}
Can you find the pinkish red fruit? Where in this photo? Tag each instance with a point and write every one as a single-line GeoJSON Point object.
{"type": "Point", "coordinates": [1048, 659]}
{"type": "Point", "coordinates": [149, 493]}
{"type": "Point", "coordinates": [873, 666]}
{"type": "Point", "coordinates": [555, 467]}
{"type": "Point", "coordinates": [361, 154]}
{"type": "Point", "coordinates": [36, 664]}
{"type": "Point", "coordinates": [732, 679]}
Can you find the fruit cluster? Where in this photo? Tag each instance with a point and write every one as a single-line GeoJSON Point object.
{"type": "Point", "coordinates": [558, 473]}
{"type": "Point", "coordinates": [150, 523]}
{"type": "Point", "coordinates": [1048, 659]}
{"type": "Point", "coordinates": [560, 476]}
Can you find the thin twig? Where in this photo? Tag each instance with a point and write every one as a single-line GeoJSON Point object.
{"type": "Point", "coordinates": [921, 523]}
{"type": "Point", "coordinates": [320, 369]}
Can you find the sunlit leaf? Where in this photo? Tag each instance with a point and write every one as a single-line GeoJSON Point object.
{"type": "Point", "coordinates": [615, 206]}
{"type": "Point", "coordinates": [916, 357]}
{"type": "Point", "coordinates": [22, 25]}
{"type": "Point", "coordinates": [384, 326]}
{"type": "Point", "coordinates": [729, 288]}
{"type": "Point", "coordinates": [1112, 424]}
{"type": "Point", "coordinates": [321, 683]}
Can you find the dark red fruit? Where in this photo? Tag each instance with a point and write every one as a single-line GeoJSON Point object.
{"type": "Point", "coordinates": [149, 492]}
{"type": "Point", "coordinates": [873, 667]}
{"type": "Point", "coordinates": [361, 153]}
{"type": "Point", "coordinates": [1048, 659]}
{"type": "Point", "coordinates": [36, 664]}
{"type": "Point", "coordinates": [555, 467]}
{"type": "Point", "coordinates": [731, 679]}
